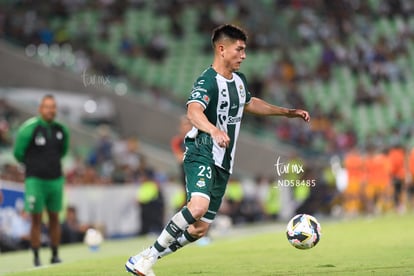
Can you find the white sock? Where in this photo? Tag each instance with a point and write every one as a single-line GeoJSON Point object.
{"type": "Point", "coordinates": [181, 241]}
{"type": "Point", "coordinates": [174, 229]}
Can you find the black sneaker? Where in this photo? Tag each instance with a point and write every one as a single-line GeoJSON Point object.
{"type": "Point", "coordinates": [36, 262]}
{"type": "Point", "coordinates": [55, 260]}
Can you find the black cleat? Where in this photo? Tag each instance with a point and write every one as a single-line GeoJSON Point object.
{"type": "Point", "coordinates": [55, 260]}
{"type": "Point", "coordinates": [36, 262]}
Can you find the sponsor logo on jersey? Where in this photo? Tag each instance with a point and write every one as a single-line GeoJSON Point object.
{"type": "Point", "coordinates": [223, 105]}
{"type": "Point", "coordinates": [222, 119]}
{"type": "Point", "coordinates": [234, 120]}
{"type": "Point", "coordinates": [223, 93]}
{"type": "Point", "coordinates": [201, 82]}
{"type": "Point", "coordinates": [59, 135]}
{"type": "Point", "coordinates": [206, 98]}
{"type": "Point", "coordinates": [234, 106]}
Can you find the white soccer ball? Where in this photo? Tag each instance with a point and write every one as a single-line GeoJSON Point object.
{"type": "Point", "coordinates": [93, 238]}
{"type": "Point", "coordinates": [303, 231]}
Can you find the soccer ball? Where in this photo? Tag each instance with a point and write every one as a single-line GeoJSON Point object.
{"type": "Point", "coordinates": [303, 231]}
{"type": "Point", "coordinates": [93, 239]}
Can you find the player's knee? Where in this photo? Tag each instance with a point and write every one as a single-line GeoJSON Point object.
{"type": "Point", "coordinates": [36, 220]}
{"type": "Point", "coordinates": [53, 217]}
{"type": "Point", "coordinates": [198, 206]}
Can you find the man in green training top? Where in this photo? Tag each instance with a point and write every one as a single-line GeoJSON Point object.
{"type": "Point", "coordinates": [215, 108]}
{"type": "Point", "coordinates": [40, 145]}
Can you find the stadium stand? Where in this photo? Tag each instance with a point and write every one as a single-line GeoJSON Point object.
{"type": "Point", "coordinates": [164, 50]}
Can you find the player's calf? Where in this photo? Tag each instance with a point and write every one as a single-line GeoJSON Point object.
{"type": "Point", "coordinates": [198, 229]}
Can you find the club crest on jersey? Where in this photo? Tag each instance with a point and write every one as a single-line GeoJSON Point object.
{"type": "Point", "coordinates": [201, 183]}
{"type": "Point", "coordinates": [242, 93]}
{"type": "Point", "coordinates": [40, 140]}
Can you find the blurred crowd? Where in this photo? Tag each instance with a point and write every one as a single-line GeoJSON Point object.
{"type": "Point", "coordinates": [15, 228]}
{"type": "Point", "coordinates": [342, 29]}
{"type": "Point", "coordinates": [109, 161]}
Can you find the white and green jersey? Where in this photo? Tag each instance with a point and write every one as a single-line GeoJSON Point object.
{"type": "Point", "coordinates": [223, 101]}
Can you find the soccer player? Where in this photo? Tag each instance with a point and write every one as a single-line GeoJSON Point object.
{"type": "Point", "coordinates": [378, 189]}
{"type": "Point", "coordinates": [355, 165]}
{"type": "Point", "coordinates": [40, 145]}
{"type": "Point", "coordinates": [397, 157]}
{"type": "Point", "coordinates": [215, 109]}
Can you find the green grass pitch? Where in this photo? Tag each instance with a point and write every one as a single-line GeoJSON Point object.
{"type": "Point", "coordinates": [364, 246]}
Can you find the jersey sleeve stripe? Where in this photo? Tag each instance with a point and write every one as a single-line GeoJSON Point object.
{"type": "Point", "coordinates": [198, 101]}
{"type": "Point", "coordinates": [206, 220]}
{"type": "Point", "coordinates": [200, 194]}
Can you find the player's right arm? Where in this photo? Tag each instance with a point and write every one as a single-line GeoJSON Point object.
{"type": "Point", "coordinates": [24, 136]}
{"type": "Point", "coordinates": [195, 113]}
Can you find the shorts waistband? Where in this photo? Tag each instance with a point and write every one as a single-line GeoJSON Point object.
{"type": "Point", "coordinates": [203, 140]}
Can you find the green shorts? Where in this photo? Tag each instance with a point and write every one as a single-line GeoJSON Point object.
{"type": "Point", "coordinates": [206, 180]}
{"type": "Point", "coordinates": [41, 193]}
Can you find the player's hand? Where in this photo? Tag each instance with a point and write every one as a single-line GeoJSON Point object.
{"type": "Point", "coordinates": [221, 137]}
{"type": "Point", "coordinates": [300, 113]}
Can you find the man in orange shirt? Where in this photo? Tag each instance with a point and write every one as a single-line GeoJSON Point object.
{"type": "Point", "coordinates": [378, 192]}
{"type": "Point", "coordinates": [355, 166]}
{"type": "Point", "coordinates": [410, 183]}
{"type": "Point", "coordinates": [397, 157]}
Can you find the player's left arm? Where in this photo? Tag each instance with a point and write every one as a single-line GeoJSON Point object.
{"type": "Point", "coordinates": [66, 140]}
{"type": "Point", "coordinates": [260, 107]}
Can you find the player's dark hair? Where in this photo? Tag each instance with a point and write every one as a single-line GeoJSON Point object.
{"type": "Point", "coordinates": [47, 96]}
{"type": "Point", "coordinates": [228, 31]}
